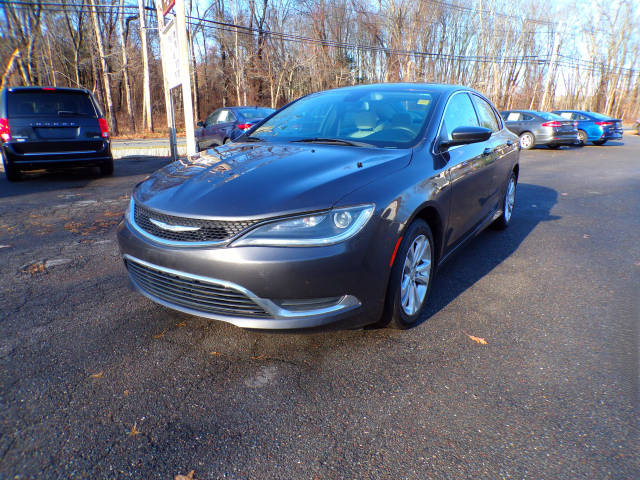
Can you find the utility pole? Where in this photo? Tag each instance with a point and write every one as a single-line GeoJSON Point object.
{"type": "Point", "coordinates": [553, 66]}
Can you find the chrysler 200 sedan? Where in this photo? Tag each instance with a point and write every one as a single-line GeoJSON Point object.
{"type": "Point", "coordinates": [336, 210]}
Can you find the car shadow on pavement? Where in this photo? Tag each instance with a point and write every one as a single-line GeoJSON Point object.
{"type": "Point", "coordinates": [489, 249]}
{"type": "Point", "coordinates": [72, 178]}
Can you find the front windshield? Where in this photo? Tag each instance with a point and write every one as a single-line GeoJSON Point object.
{"type": "Point", "coordinates": [381, 118]}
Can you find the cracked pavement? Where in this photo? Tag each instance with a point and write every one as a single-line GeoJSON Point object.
{"type": "Point", "coordinates": [553, 394]}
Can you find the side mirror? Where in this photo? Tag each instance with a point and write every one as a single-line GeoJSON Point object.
{"type": "Point", "coordinates": [200, 124]}
{"type": "Point", "coordinates": [465, 135]}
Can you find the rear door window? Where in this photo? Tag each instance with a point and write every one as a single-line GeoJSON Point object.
{"type": "Point", "coordinates": [486, 114]}
{"type": "Point", "coordinates": [54, 103]}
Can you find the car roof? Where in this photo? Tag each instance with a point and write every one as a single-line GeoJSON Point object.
{"type": "Point", "coordinates": [533, 112]}
{"type": "Point", "coordinates": [425, 87]}
{"type": "Point", "coordinates": [39, 89]}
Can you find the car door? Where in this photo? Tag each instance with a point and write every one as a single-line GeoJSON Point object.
{"type": "Point", "coordinates": [465, 166]}
{"type": "Point", "coordinates": [494, 158]}
{"type": "Point", "coordinates": [513, 122]}
{"type": "Point", "coordinates": [206, 135]}
{"type": "Point", "coordinates": [223, 126]}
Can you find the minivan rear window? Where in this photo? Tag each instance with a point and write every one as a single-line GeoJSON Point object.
{"type": "Point", "coordinates": [49, 103]}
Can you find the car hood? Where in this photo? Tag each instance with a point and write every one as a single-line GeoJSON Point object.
{"type": "Point", "coordinates": [249, 180]}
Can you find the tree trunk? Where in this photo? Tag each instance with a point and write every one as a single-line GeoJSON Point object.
{"type": "Point", "coordinates": [105, 72]}
{"type": "Point", "coordinates": [125, 68]}
{"type": "Point", "coordinates": [146, 88]}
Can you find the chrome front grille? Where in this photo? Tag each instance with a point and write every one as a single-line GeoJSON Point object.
{"type": "Point", "coordinates": [207, 230]}
{"type": "Point", "coordinates": [184, 292]}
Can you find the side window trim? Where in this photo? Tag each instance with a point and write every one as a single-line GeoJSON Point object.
{"type": "Point", "coordinates": [497, 117]}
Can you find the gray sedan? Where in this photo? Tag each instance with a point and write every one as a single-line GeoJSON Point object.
{"type": "Point", "coordinates": [540, 128]}
{"type": "Point", "coordinates": [337, 210]}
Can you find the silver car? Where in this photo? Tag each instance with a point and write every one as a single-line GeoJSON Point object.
{"type": "Point", "coordinates": [540, 128]}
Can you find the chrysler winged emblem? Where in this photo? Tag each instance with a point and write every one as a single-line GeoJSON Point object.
{"type": "Point", "coordinates": [173, 228]}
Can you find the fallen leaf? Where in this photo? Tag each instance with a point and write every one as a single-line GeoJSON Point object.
{"type": "Point", "coordinates": [479, 340]}
{"type": "Point", "coordinates": [188, 476]}
{"type": "Point", "coordinates": [181, 324]}
{"type": "Point", "coordinates": [259, 357]}
{"type": "Point", "coordinates": [215, 353]}
{"type": "Point", "coordinates": [161, 334]}
{"type": "Point", "coordinates": [126, 393]}
{"type": "Point", "coordinates": [97, 375]}
{"type": "Point", "coordinates": [586, 236]}
{"type": "Point", "coordinates": [134, 430]}
{"type": "Point", "coordinates": [34, 268]}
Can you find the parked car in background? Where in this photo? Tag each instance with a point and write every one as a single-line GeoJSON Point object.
{"type": "Point", "coordinates": [228, 123]}
{"type": "Point", "coordinates": [337, 209]}
{"type": "Point", "coordinates": [47, 127]}
{"type": "Point", "coordinates": [540, 128]}
{"type": "Point", "coordinates": [593, 127]}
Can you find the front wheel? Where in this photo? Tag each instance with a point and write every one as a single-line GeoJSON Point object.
{"type": "Point", "coordinates": [582, 137]}
{"type": "Point", "coordinates": [508, 203]}
{"type": "Point", "coordinates": [411, 277]}
{"type": "Point", "coordinates": [527, 141]}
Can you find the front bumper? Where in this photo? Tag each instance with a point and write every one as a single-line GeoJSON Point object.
{"type": "Point", "coordinates": [282, 284]}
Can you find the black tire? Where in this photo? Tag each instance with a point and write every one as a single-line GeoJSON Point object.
{"type": "Point", "coordinates": [106, 169]}
{"type": "Point", "coordinates": [582, 137]}
{"type": "Point", "coordinates": [226, 140]}
{"type": "Point", "coordinates": [198, 148]}
{"type": "Point", "coordinates": [554, 147]}
{"type": "Point", "coordinates": [504, 220]}
{"type": "Point", "coordinates": [527, 140]}
{"type": "Point", "coordinates": [600, 142]}
{"type": "Point", "coordinates": [12, 173]}
{"type": "Point", "coordinates": [395, 315]}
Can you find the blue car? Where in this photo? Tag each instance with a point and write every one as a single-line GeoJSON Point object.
{"type": "Point", "coordinates": [593, 127]}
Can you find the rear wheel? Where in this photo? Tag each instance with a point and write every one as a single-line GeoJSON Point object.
{"type": "Point", "coordinates": [508, 203]}
{"type": "Point", "coordinates": [12, 173]}
{"type": "Point", "coordinates": [600, 142]}
{"type": "Point", "coordinates": [527, 141]}
{"type": "Point", "coordinates": [411, 276]}
{"type": "Point", "coordinates": [582, 137]}
{"type": "Point", "coordinates": [106, 168]}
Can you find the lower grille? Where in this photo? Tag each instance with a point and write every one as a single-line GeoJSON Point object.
{"type": "Point", "coordinates": [197, 295]}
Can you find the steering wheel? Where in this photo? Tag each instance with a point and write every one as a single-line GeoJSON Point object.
{"type": "Point", "coordinates": [406, 130]}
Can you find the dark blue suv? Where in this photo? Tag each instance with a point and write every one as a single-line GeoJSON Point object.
{"type": "Point", "coordinates": [593, 127]}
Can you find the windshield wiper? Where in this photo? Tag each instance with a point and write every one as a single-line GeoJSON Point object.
{"type": "Point", "coordinates": [335, 141]}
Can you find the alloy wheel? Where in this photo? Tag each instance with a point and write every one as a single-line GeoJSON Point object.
{"type": "Point", "coordinates": [415, 275]}
{"type": "Point", "coordinates": [526, 141]}
{"type": "Point", "coordinates": [510, 199]}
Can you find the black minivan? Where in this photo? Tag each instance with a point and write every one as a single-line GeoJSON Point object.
{"type": "Point", "coordinates": [51, 127]}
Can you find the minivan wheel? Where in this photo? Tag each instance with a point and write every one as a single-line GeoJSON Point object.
{"type": "Point", "coordinates": [411, 277]}
{"type": "Point", "coordinates": [12, 173]}
{"type": "Point", "coordinates": [106, 168]}
{"type": "Point", "coordinates": [508, 203]}
{"type": "Point", "coordinates": [527, 141]}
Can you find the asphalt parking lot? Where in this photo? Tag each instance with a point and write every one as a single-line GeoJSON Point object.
{"type": "Point", "coordinates": [98, 382]}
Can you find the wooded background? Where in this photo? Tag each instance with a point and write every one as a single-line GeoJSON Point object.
{"type": "Point", "coordinates": [520, 53]}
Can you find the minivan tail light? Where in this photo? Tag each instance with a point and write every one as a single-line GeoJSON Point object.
{"type": "Point", "coordinates": [5, 132]}
{"type": "Point", "coordinates": [554, 123]}
{"type": "Point", "coordinates": [604, 124]}
{"type": "Point", "coordinates": [245, 126]}
{"type": "Point", "coordinates": [104, 128]}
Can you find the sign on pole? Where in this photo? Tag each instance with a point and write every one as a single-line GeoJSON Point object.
{"type": "Point", "coordinates": [176, 67]}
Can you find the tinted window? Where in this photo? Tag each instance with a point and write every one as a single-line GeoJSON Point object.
{"type": "Point", "coordinates": [527, 118]}
{"type": "Point", "coordinates": [48, 103]}
{"type": "Point", "coordinates": [513, 117]}
{"type": "Point", "coordinates": [550, 116]}
{"type": "Point", "coordinates": [460, 113]}
{"type": "Point", "coordinates": [485, 114]}
{"type": "Point", "coordinates": [255, 112]}
{"type": "Point", "coordinates": [384, 117]}
{"type": "Point", "coordinates": [211, 119]}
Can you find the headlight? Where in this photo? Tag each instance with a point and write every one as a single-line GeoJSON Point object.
{"type": "Point", "coordinates": [310, 231]}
